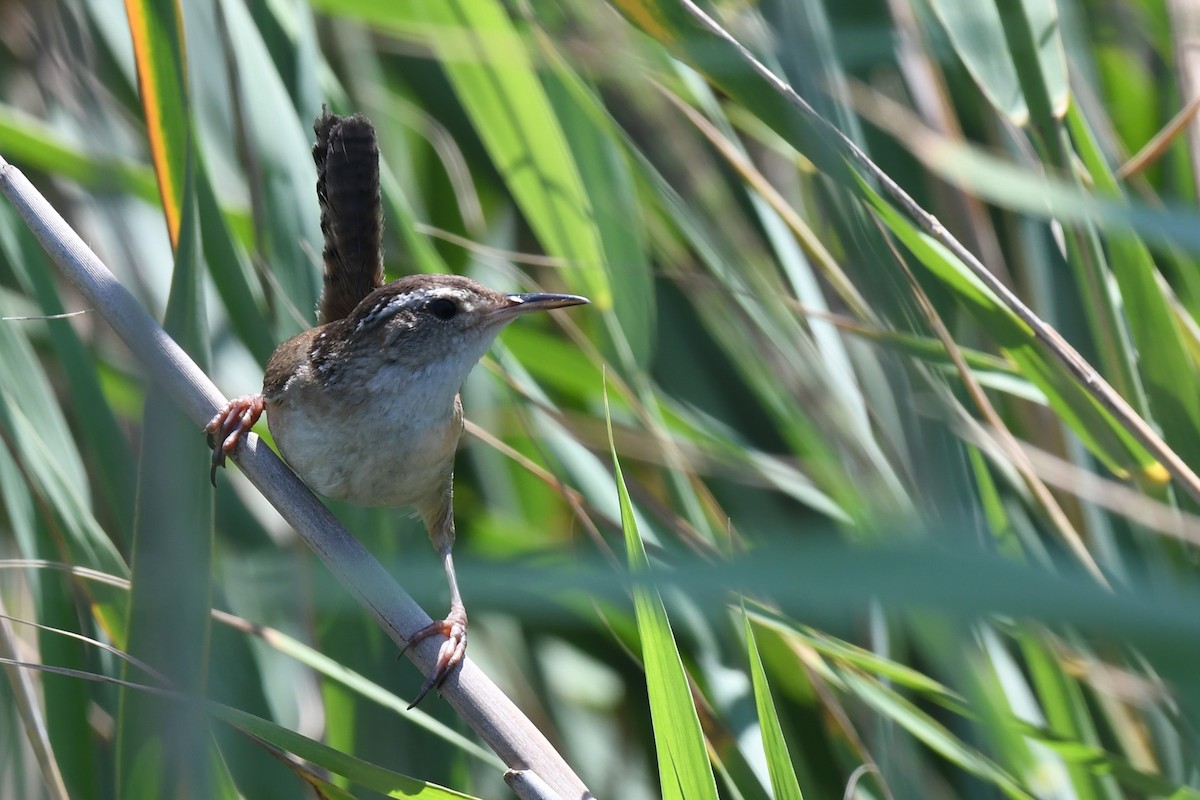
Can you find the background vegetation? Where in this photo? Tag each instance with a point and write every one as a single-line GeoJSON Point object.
{"type": "Point", "coordinates": [902, 550]}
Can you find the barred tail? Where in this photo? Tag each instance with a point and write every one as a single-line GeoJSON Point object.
{"type": "Point", "coordinates": [347, 158]}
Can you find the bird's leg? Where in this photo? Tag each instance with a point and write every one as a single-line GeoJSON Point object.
{"type": "Point", "coordinates": [226, 428]}
{"type": "Point", "coordinates": [454, 626]}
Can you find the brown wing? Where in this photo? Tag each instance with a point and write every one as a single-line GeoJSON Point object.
{"type": "Point", "coordinates": [347, 158]}
{"type": "Point", "coordinates": [286, 363]}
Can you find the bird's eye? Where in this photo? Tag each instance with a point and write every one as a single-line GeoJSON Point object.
{"type": "Point", "coordinates": [442, 308]}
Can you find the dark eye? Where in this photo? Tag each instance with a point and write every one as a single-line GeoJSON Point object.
{"type": "Point", "coordinates": [441, 308]}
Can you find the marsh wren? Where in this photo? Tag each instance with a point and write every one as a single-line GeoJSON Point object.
{"type": "Point", "coordinates": [365, 407]}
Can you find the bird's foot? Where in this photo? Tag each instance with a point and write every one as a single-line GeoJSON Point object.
{"type": "Point", "coordinates": [454, 628]}
{"type": "Point", "coordinates": [226, 428]}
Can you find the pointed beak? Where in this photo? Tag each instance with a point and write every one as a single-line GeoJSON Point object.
{"type": "Point", "coordinates": [517, 304]}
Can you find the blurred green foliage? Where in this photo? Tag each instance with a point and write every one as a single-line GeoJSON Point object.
{"type": "Point", "coordinates": [837, 539]}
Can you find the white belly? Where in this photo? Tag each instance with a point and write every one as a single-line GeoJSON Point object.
{"type": "Point", "coordinates": [374, 457]}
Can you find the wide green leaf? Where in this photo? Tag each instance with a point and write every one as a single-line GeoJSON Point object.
{"type": "Point", "coordinates": [977, 32]}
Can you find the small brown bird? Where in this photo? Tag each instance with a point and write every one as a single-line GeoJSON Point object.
{"type": "Point", "coordinates": [365, 407]}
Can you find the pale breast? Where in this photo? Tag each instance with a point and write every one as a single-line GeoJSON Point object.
{"type": "Point", "coordinates": [368, 452]}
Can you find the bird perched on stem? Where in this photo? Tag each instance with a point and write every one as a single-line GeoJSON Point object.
{"type": "Point", "coordinates": [365, 407]}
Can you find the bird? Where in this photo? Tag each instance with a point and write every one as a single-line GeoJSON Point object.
{"type": "Point", "coordinates": [366, 406]}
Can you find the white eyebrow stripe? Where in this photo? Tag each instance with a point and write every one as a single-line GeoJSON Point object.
{"type": "Point", "coordinates": [388, 308]}
{"type": "Point", "coordinates": [414, 300]}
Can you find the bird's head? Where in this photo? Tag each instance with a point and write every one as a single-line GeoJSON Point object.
{"type": "Point", "coordinates": [436, 327]}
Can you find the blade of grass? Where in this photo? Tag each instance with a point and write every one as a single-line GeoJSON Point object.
{"type": "Point", "coordinates": [37, 145]}
{"type": "Point", "coordinates": [164, 746]}
{"type": "Point", "coordinates": [156, 28]}
{"type": "Point", "coordinates": [1170, 375]}
{"type": "Point", "coordinates": [1103, 434]}
{"type": "Point", "coordinates": [932, 733]}
{"type": "Point", "coordinates": [279, 158]}
{"type": "Point", "coordinates": [172, 565]}
{"type": "Point", "coordinates": [779, 761]}
{"type": "Point", "coordinates": [276, 736]}
{"type": "Point", "coordinates": [683, 765]}
{"type": "Point", "coordinates": [27, 706]}
{"type": "Point", "coordinates": [977, 34]}
{"type": "Point", "coordinates": [357, 683]}
{"type": "Point", "coordinates": [364, 773]}
{"type": "Point", "coordinates": [109, 453]}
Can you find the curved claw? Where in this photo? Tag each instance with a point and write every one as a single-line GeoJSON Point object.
{"type": "Point", "coordinates": [226, 428]}
{"type": "Point", "coordinates": [451, 653]}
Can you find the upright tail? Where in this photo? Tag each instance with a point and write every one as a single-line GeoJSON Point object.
{"type": "Point", "coordinates": [347, 158]}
